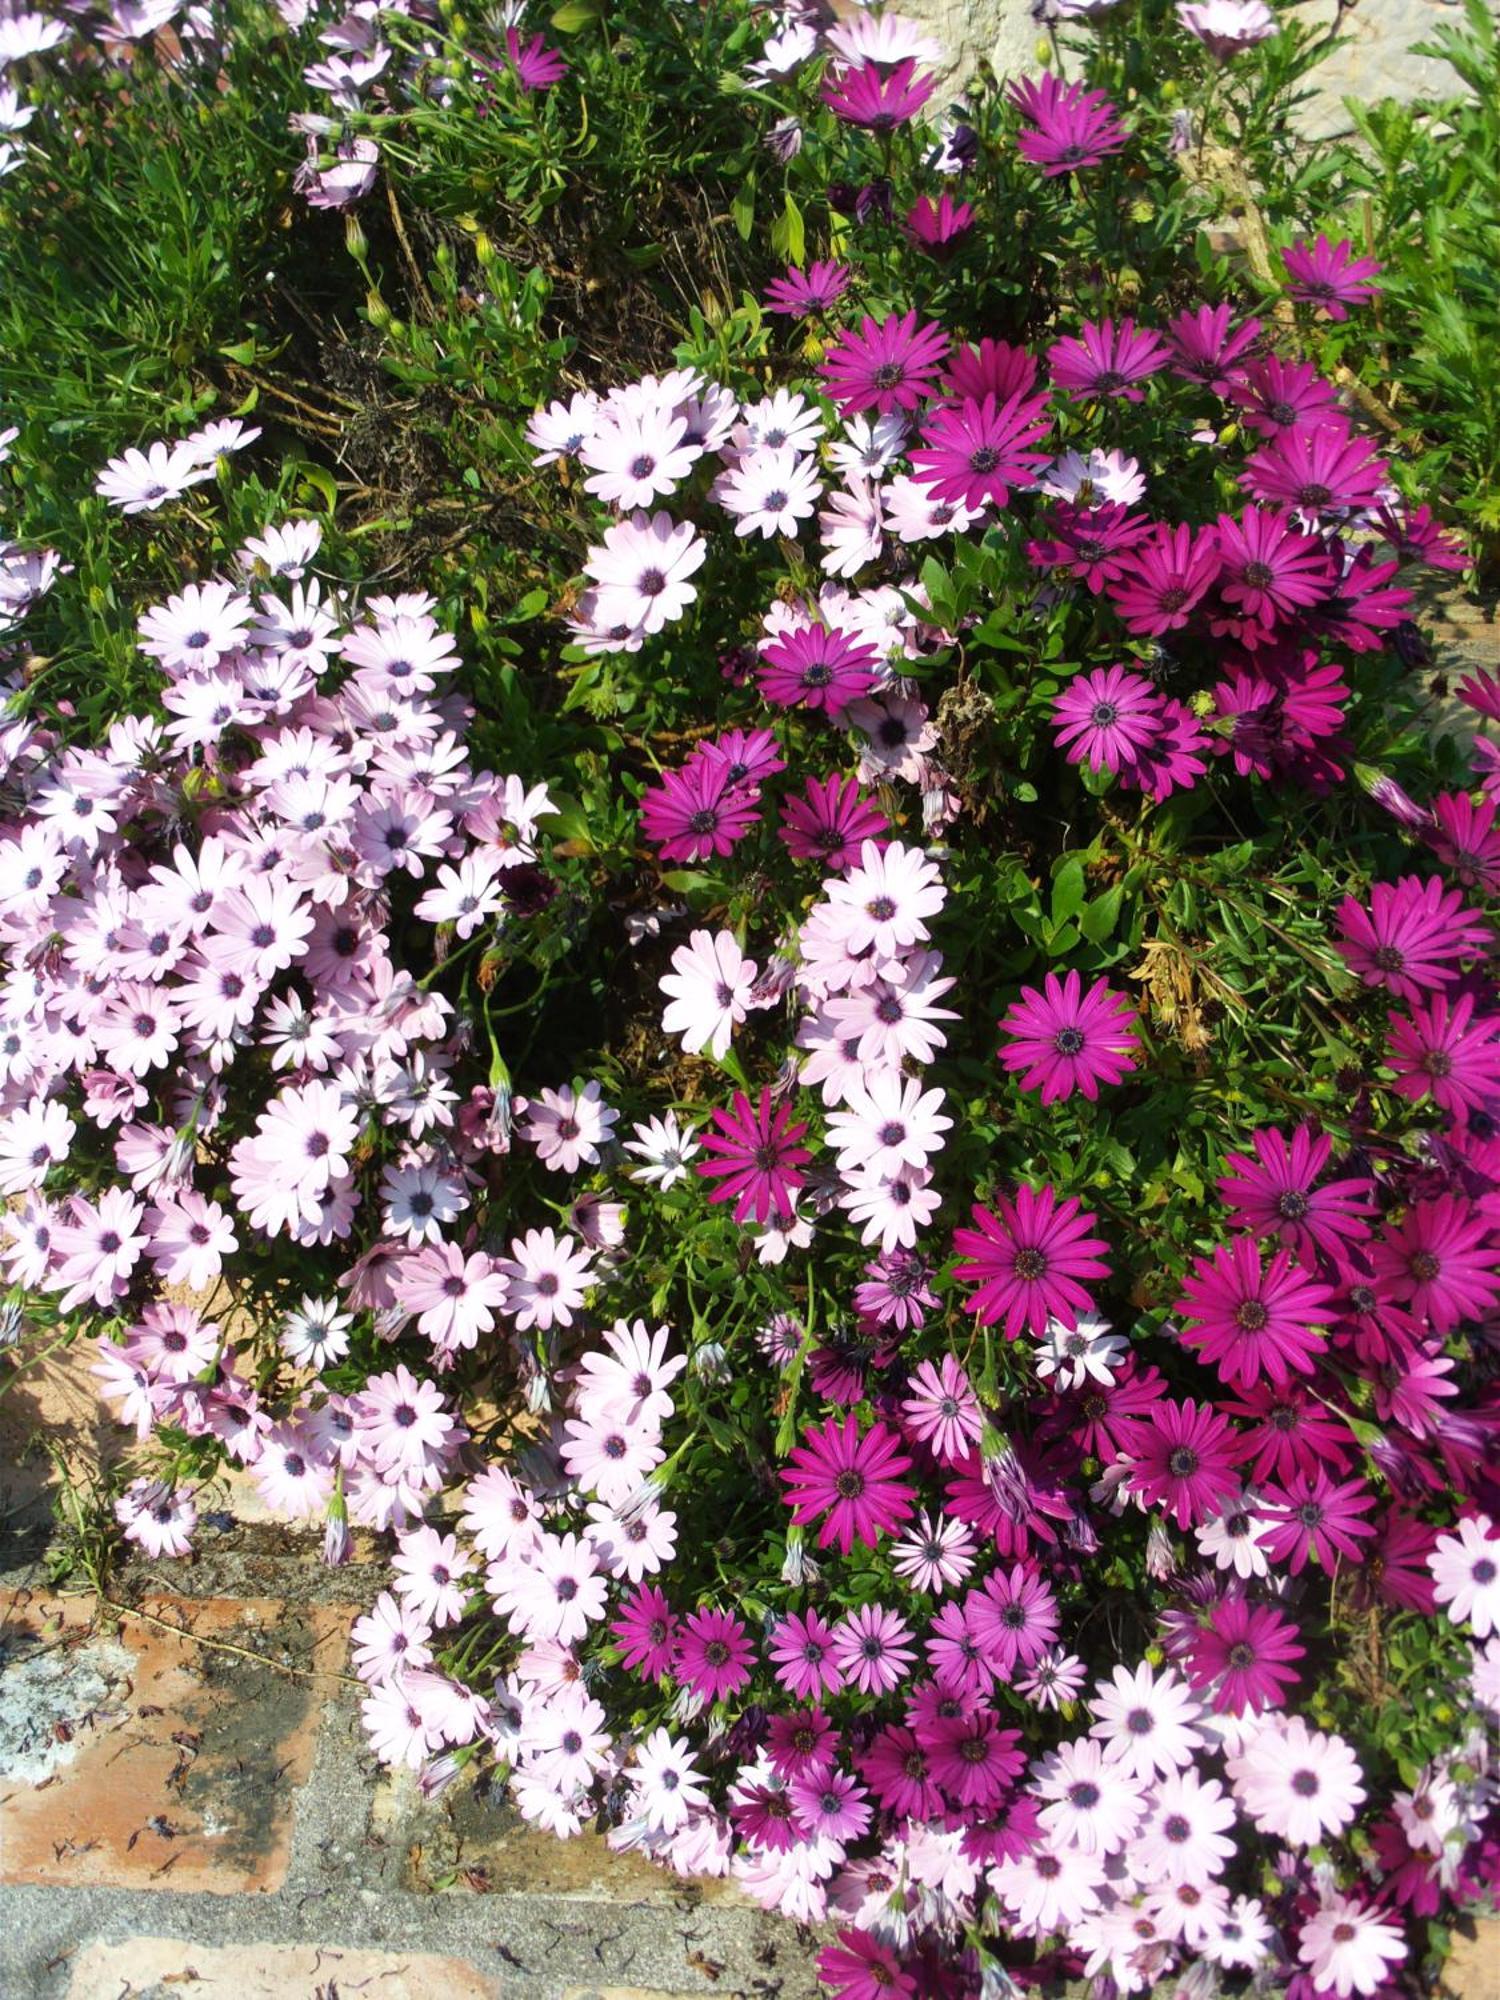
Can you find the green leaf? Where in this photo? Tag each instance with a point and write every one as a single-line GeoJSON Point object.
{"type": "Point", "coordinates": [788, 233]}
{"type": "Point", "coordinates": [742, 208]}
{"type": "Point", "coordinates": [576, 14]}
{"type": "Point", "coordinates": [1098, 921]}
{"type": "Point", "coordinates": [1069, 889]}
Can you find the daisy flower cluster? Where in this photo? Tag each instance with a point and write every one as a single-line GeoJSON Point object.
{"type": "Point", "coordinates": [213, 1045]}
{"type": "Point", "coordinates": [973, 1412]}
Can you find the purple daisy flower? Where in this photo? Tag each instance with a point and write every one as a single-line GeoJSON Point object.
{"type": "Point", "coordinates": [878, 99]}
{"type": "Point", "coordinates": [1069, 127]}
{"type": "Point", "coordinates": [1411, 938]}
{"type": "Point", "coordinates": [1091, 543]}
{"type": "Point", "coordinates": [974, 454]}
{"type": "Point", "coordinates": [1204, 349]}
{"type": "Point", "coordinates": [757, 1160]}
{"type": "Point", "coordinates": [1183, 1460]}
{"type": "Point", "coordinates": [1330, 275]}
{"type": "Point", "coordinates": [893, 365]}
{"type": "Point", "coordinates": [1107, 360]}
{"type": "Point", "coordinates": [801, 293]}
{"type": "Point", "coordinates": [853, 1478]}
{"type": "Point", "coordinates": [1064, 1039]}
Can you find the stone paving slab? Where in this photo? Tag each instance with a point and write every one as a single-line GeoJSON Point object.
{"type": "Point", "coordinates": [152, 1968]}
{"type": "Point", "coordinates": [170, 1761]}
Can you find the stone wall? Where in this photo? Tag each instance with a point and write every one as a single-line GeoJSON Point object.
{"type": "Point", "coordinates": [1376, 61]}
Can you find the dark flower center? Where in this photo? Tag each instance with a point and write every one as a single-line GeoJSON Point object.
{"type": "Point", "coordinates": [1068, 1041]}
{"type": "Point", "coordinates": [1031, 1265]}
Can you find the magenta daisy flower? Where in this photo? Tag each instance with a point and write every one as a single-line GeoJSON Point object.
{"type": "Point", "coordinates": [646, 1632]}
{"type": "Point", "coordinates": [975, 454]}
{"type": "Point", "coordinates": [1443, 1053]}
{"type": "Point", "coordinates": [1183, 1460]}
{"type": "Point", "coordinates": [1165, 577]}
{"type": "Point", "coordinates": [993, 368]}
{"type": "Point", "coordinates": [1313, 1515]}
{"type": "Point", "coordinates": [860, 1967]}
{"type": "Point", "coordinates": [1289, 1432]}
{"type": "Point", "coordinates": [695, 812]}
{"type": "Point", "coordinates": [1330, 275]}
{"type": "Point", "coordinates": [1440, 1260]}
{"type": "Point", "coordinates": [853, 1478]}
{"type": "Point", "coordinates": [829, 822]}
{"type": "Point", "coordinates": [885, 367]}
{"type": "Point", "coordinates": [757, 1160]}
{"type": "Point", "coordinates": [974, 1760]}
{"type": "Point", "coordinates": [802, 1656]}
{"type": "Point", "coordinates": [1268, 571]}
{"type": "Point", "coordinates": [1275, 395]}
{"type": "Point", "coordinates": [1206, 350]}
{"type": "Point", "coordinates": [1026, 1258]}
{"type": "Point", "coordinates": [536, 67]}
{"type": "Point", "coordinates": [1244, 1654]}
{"type": "Point", "coordinates": [876, 98]}
{"type": "Point", "coordinates": [1320, 471]}
{"type": "Point", "coordinates": [1108, 717]}
{"type": "Point", "coordinates": [1466, 840]}
{"type": "Point", "coordinates": [1103, 359]}
{"type": "Point", "coordinates": [1274, 1193]}
{"type": "Point", "coordinates": [1090, 543]}
{"type": "Point", "coordinates": [801, 293]}
{"type": "Point", "coordinates": [1069, 127]}
{"type": "Point", "coordinates": [1064, 1039]}
{"type": "Point", "coordinates": [714, 1656]}
{"type": "Point", "coordinates": [818, 669]}
{"type": "Point", "coordinates": [1411, 938]}
{"type": "Point", "coordinates": [1250, 1322]}
{"type": "Point", "coordinates": [935, 226]}
{"type": "Point", "coordinates": [1014, 1616]}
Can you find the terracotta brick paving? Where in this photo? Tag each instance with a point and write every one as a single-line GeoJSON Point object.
{"type": "Point", "coordinates": [186, 1772]}
{"type": "Point", "coordinates": [147, 1966]}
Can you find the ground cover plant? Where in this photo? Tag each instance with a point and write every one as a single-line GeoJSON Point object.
{"type": "Point", "coordinates": [728, 898]}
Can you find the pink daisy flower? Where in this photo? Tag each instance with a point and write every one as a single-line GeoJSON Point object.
{"type": "Point", "coordinates": [1411, 937]}
{"type": "Point", "coordinates": [1183, 1460]}
{"type": "Point", "coordinates": [890, 366]}
{"type": "Point", "coordinates": [1026, 1258]}
{"type": "Point", "coordinates": [714, 1656]}
{"type": "Point", "coordinates": [975, 453]}
{"type": "Point", "coordinates": [851, 1477]}
{"type": "Point", "coordinates": [816, 668]}
{"type": "Point", "coordinates": [1330, 275]}
{"type": "Point", "coordinates": [1243, 1653]}
{"type": "Point", "coordinates": [1108, 718]}
{"type": "Point", "coordinates": [1063, 1039]}
{"type": "Point", "coordinates": [1440, 1262]}
{"type": "Point", "coordinates": [1274, 1193]}
{"type": "Point", "coordinates": [804, 292]}
{"type": "Point", "coordinates": [1107, 360]}
{"type": "Point", "coordinates": [1313, 1515]}
{"type": "Point", "coordinates": [1252, 1322]}
{"type": "Point", "coordinates": [876, 98]}
{"type": "Point", "coordinates": [942, 1411]}
{"type": "Point", "coordinates": [756, 1159]}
